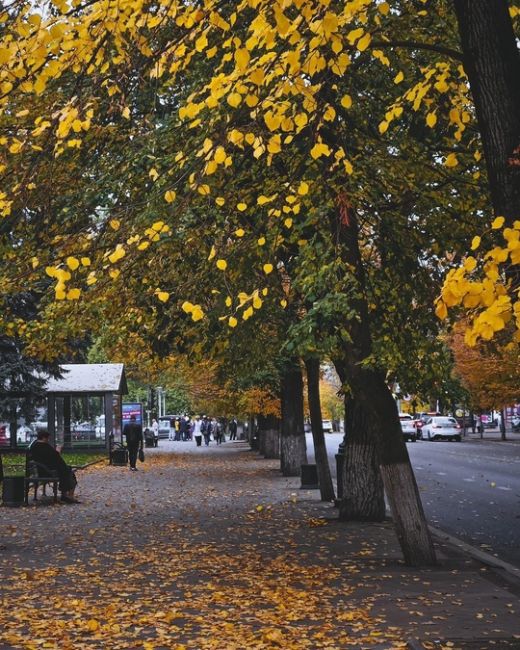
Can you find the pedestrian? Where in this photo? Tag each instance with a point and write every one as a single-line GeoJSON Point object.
{"type": "Point", "coordinates": [171, 430]}
{"type": "Point", "coordinates": [155, 429]}
{"type": "Point", "coordinates": [187, 429]}
{"type": "Point", "coordinates": [134, 440]}
{"type": "Point", "coordinates": [233, 427]}
{"type": "Point", "coordinates": [197, 431]}
{"type": "Point", "coordinates": [43, 452]}
{"type": "Point", "coordinates": [219, 432]}
{"type": "Point", "coordinates": [177, 429]}
{"type": "Point", "coordinates": [206, 430]}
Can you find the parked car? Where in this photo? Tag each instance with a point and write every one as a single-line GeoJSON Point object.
{"type": "Point", "coordinates": [408, 427]}
{"type": "Point", "coordinates": [327, 426]}
{"type": "Point", "coordinates": [515, 423]}
{"type": "Point", "coordinates": [441, 427]}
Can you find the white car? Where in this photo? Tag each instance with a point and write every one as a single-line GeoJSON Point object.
{"type": "Point", "coordinates": [408, 427]}
{"type": "Point", "coordinates": [327, 426]}
{"type": "Point", "coordinates": [440, 427]}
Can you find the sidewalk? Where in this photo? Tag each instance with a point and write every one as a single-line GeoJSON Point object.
{"type": "Point", "coordinates": [211, 548]}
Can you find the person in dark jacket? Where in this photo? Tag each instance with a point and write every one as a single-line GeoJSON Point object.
{"type": "Point", "coordinates": [43, 452]}
{"type": "Point", "coordinates": [134, 440]}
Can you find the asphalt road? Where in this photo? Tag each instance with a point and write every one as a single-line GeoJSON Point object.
{"type": "Point", "coordinates": [470, 490]}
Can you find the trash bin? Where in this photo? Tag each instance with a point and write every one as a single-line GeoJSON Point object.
{"type": "Point", "coordinates": [120, 457]}
{"type": "Point", "coordinates": [149, 438]}
{"type": "Point", "coordinates": [309, 476]}
{"type": "Point", "coordinates": [13, 491]}
{"type": "Point", "coordinates": [198, 440]}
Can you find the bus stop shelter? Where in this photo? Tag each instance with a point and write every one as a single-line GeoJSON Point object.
{"type": "Point", "coordinates": [84, 406]}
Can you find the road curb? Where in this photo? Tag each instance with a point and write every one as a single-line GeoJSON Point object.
{"type": "Point", "coordinates": [477, 554]}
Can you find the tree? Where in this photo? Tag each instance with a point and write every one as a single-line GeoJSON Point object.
{"type": "Point", "coordinates": [274, 95]}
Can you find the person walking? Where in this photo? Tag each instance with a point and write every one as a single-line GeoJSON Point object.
{"type": "Point", "coordinates": [206, 431]}
{"type": "Point", "coordinates": [133, 433]}
{"type": "Point", "coordinates": [219, 432]}
{"type": "Point", "coordinates": [233, 427]}
{"type": "Point", "coordinates": [171, 430]}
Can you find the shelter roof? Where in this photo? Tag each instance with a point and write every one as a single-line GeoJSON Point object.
{"type": "Point", "coordinates": [90, 378]}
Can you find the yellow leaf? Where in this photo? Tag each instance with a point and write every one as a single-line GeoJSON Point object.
{"type": "Point", "coordinates": [497, 223]}
{"type": "Point", "coordinates": [303, 189]}
{"type": "Point", "coordinates": [222, 265]}
{"type": "Point", "coordinates": [440, 310]}
{"type": "Point", "coordinates": [126, 113]}
{"type": "Point", "coordinates": [257, 302]}
{"type": "Point", "coordinates": [242, 207]}
{"type": "Point", "coordinates": [242, 58]}
{"type": "Point", "coordinates": [93, 625]}
{"type": "Point", "coordinates": [346, 101]}
{"type": "Point", "coordinates": [153, 174]}
{"type": "Point", "coordinates": [204, 190]}
{"type": "Point", "coordinates": [475, 243]}
{"type": "Point", "coordinates": [169, 196]}
{"type": "Point", "coordinates": [431, 120]}
{"type": "Point", "coordinates": [114, 224]}
{"type": "Point", "coordinates": [232, 322]}
{"type": "Point", "coordinates": [212, 253]}
{"type": "Point", "coordinates": [234, 99]}
{"type": "Point", "coordinates": [229, 302]}
{"type": "Point", "coordinates": [283, 303]}
{"type": "Point", "coordinates": [451, 160]}
{"type": "Point", "coordinates": [187, 307]}
{"type": "Point", "coordinates": [72, 263]}
{"type": "Point", "coordinates": [364, 42]}
{"type": "Point", "coordinates": [383, 127]}
{"type": "Point", "coordinates": [197, 313]}
{"type": "Point", "coordinates": [261, 241]}
{"type": "Point", "coordinates": [320, 149]}
{"type": "Point", "coordinates": [73, 294]}
{"type": "Point", "coordinates": [348, 166]}
{"type": "Point", "coordinates": [288, 222]}
{"type": "Point", "coordinates": [267, 268]}
{"type": "Point", "coordinates": [220, 200]}
{"type": "Point", "coordinates": [163, 296]}
{"type": "Point", "coordinates": [398, 77]}
{"type": "Point", "coordinates": [240, 232]}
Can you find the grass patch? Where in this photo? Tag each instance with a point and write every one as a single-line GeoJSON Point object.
{"type": "Point", "coordinates": [14, 465]}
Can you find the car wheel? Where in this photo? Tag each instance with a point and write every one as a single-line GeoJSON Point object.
{"type": "Point", "coordinates": [457, 439]}
{"type": "Point", "coordinates": [413, 439]}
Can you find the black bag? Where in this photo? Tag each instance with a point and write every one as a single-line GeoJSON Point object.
{"type": "Point", "coordinates": [141, 454]}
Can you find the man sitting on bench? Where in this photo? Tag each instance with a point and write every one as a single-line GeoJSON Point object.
{"type": "Point", "coordinates": [43, 452]}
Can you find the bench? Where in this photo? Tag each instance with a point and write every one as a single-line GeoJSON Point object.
{"type": "Point", "coordinates": [34, 475]}
{"type": "Point", "coordinates": [37, 474]}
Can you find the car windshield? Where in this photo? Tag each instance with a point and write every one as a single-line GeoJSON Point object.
{"type": "Point", "coordinates": [446, 421]}
{"type": "Point", "coordinates": [405, 417]}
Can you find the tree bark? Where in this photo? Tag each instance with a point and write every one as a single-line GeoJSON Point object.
{"type": "Point", "coordinates": [269, 433]}
{"type": "Point", "coordinates": [363, 491]}
{"type": "Point", "coordinates": [312, 366]}
{"type": "Point", "coordinates": [492, 63]}
{"type": "Point", "coordinates": [369, 388]}
{"type": "Point", "coordinates": [293, 450]}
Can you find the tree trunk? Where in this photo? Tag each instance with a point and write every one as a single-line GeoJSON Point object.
{"type": "Point", "coordinates": [312, 366]}
{"type": "Point", "coordinates": [370, 390]}
{"type": "Point", "coordinates": [363, 490]}
{"type": "Point", "coordinates": [503, 418]}
{"type": "Point", "coordinates": [492, 63]}
{"type": "Point", "coordinates": [251, 433]}
{"type": "Point", "coordinates": [269, 433]}
{"type": "Point", "coordinates": [293, 451]}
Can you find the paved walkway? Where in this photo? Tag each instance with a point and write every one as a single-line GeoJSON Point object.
{"type": "Point", "coordinates": [213, 549]}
